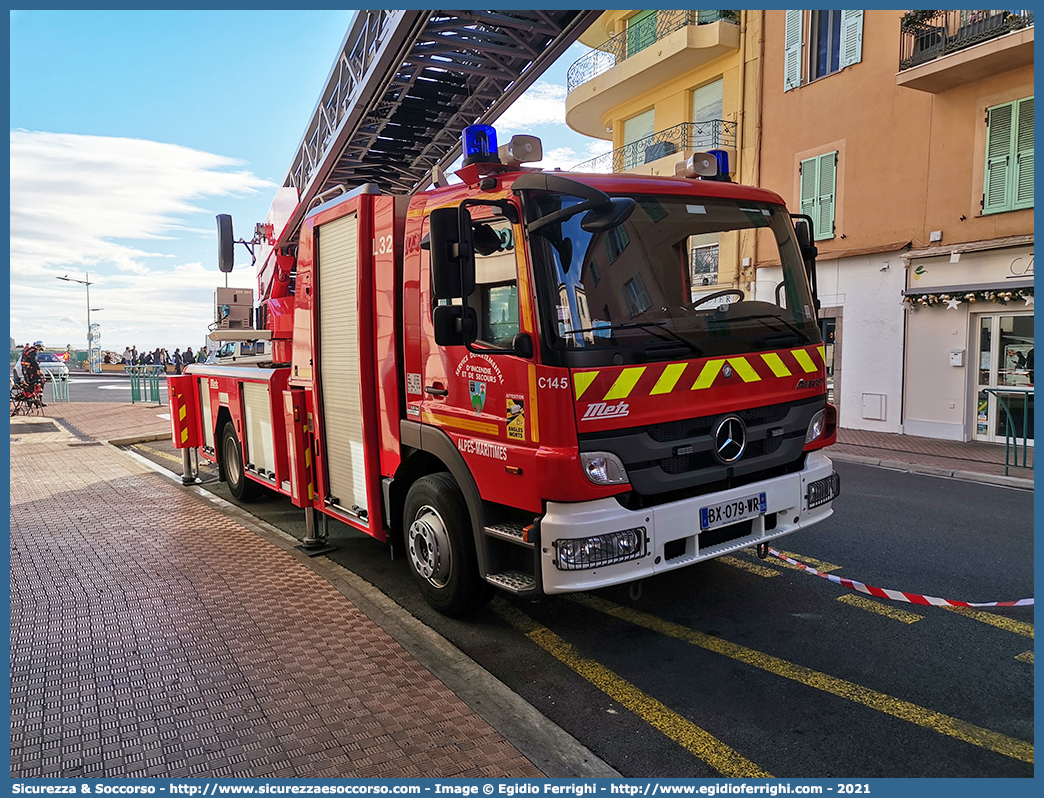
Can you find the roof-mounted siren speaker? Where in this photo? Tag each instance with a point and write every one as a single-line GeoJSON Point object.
{"type": "Point", "coordinates": [522, 149]}
{"type": "Point", "coordinates": [480, 145]}
{"type": "Point", "coordinates": [709, 165]}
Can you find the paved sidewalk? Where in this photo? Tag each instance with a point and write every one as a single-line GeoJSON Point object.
{"type": "Point", "coordinates": [970, 460]}
{"type": "Point", "coordinates": [153, 636]}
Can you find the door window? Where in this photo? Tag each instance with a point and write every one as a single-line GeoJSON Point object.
{"type": "Point", "coordinates": [495, 299]}
{"type": "Point", "coordinates": [1004, 361]}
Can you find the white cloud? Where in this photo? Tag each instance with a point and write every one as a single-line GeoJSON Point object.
{"type": "Point", "coordinates": [542, 104]}
{"type": "Point", "coordinates": [117, 208]}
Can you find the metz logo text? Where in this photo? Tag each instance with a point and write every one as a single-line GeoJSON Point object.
{"type": "Point", "coordinates": [603, 410]}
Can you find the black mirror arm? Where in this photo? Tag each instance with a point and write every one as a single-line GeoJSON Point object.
{"type": "Point", "coordinates": [565, 213]}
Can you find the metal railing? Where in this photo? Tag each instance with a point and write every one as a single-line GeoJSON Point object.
{"type": "Point", "coordinates": [59, 387]}
{"type": "Point", "coordinates": [686, 136]}
{"type": "Point", "coordinates": [1013, 457]}
{"type": "Point", "coordinates": [636, 38]}
{"type": "Point", "coordinates": [927, 35]}
{"type": "Point", "coordinates": [145, 383]}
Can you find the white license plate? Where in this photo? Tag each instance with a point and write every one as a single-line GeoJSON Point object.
{"type": "Point", "coordinates": [732, 512]}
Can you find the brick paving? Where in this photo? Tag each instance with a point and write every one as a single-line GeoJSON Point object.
{"type": "Point", "coordinates": [151, 636]}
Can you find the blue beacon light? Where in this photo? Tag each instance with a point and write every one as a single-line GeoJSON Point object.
{"type": "Point", "coordinates": [480, 145]}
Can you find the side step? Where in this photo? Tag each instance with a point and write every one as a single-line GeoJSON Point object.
{"type": "Point", "coordinates": [509, 531]}
{"type": "Point", "coordinates": [513, 581]}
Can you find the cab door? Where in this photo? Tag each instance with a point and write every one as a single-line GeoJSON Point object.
{"type": "Point", "coordinates": [485, 402]}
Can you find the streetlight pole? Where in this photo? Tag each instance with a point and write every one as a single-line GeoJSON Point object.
{"type": "Point", "coordinates": [84, 282]}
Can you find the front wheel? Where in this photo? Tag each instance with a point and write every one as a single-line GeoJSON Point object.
{"type": "Point", "coordinates": [239, 485]}
{"type": "Point", "coordinates": [440, 546]}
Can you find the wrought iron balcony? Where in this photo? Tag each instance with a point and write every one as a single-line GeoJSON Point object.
{"type": "Point", "coordinates": [686, 136]}
{"type": "Point", "coordinates": [636, 38]}
{"type": "Point", "coordinates": [927, 35]}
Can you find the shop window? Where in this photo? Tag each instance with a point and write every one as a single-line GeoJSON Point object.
{"type": "Point", "coordinates": [1009, 157]}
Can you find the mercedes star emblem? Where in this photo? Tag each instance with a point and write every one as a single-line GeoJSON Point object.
{"type": "Point", "coordinates": [730, 439]}
{"type": "Point", "coordinates": [727, 371]}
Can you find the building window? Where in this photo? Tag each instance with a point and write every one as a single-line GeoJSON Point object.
{"type": "Point", "coordinates": [636, 296]}
{"type": "Point", "coordinates": [636, 130]}
{"type": "Point", "coordinates": [835, 42]}
{"type": "Point", "coordinates": [1009, 157]}
{"type": "Point", "coordinates": [616, 241]}
{"type": "Point", "coordinates": [819, 192]}
{"type": "Point", "coordinates": [641, 31]}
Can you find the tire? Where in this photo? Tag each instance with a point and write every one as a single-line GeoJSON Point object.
{"type": "Point", "coordinates": [231, 463]}
{"type": "Point", "coordinates": [440, 547]}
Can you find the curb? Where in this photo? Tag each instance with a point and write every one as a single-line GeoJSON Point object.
{"type": "Point", "coordinates": [999, 480]}
{"type": "Point", "coordinates": [133, 439]}
{"type": "Point", "coordinates": [552, 749]}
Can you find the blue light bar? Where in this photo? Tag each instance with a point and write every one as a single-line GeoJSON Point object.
{"type": "Point", "coordinates": [722, 157]}
{"type": "Point", "coordinates": [480, 145]}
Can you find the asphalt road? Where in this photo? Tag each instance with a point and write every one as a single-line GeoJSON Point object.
{"type": "Point", "coordinates": [744, 667]}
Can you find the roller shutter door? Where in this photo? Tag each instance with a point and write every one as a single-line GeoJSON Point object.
{"type": "Point", "coordinates": [340, 390]}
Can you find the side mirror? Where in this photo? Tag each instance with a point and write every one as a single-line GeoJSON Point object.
{"type": "Point", "coordinates": [599, 220]}
{"type": "Point", "coordinates": [523, 345]}
{"type": "Point", "coordinates": [452, 256]}
{"type": "Point", "coordinates": [455, 325]}
{"type": "Point", "coordinates": [226, 243]}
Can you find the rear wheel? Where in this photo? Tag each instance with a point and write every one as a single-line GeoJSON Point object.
{"type": "Point", "coordinates": [440, 546]}
{"type": "Point", "coordinates": [232, 467]}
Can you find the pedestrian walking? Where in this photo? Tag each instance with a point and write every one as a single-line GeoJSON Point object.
{"type": "Point", "coordinates": [202, 356]}
{"type": "Point", "coordinates": [128, 357]}
{"type": "Point", "coordinates": [178, 360]}
{"type": "Point", "coordinates": [189, 356]}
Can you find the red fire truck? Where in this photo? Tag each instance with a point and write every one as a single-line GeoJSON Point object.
{"type": "Point", "coordinates": [521, 381]}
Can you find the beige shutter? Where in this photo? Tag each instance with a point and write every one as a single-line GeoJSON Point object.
{"type": "Point", "coordinates": [257, 422]}
{"type": "Point", "coordinates": [340, 391]}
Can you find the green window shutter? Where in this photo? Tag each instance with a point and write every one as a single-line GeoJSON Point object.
{"type": "Point", "coordinates": [809, 183]}
{"type": "Point", "coordinates": [999, 129]}
{"type": "Point", "coordinates": [1023, 179]}
{"type": "Point", "coordinates": [792, 51]}
{"type": "Point", "coordinates": [641, 31]}
{"type": "Point", "coordinates": [851, 38]}
{"type": "Point", "coordinates": [825, 196]}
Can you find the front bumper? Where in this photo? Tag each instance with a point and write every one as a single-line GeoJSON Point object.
{"type": "Point", "coordinates": [676, 524]}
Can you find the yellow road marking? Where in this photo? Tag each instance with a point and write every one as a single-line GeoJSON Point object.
{"type": "Point", "coordinates": [625, 383]}
{"type": "Point", "coordinates": [882, 702]}
{"type": "Point", "coordinates": [688, 735]}
{"type": "Point", "coordinates": [1025, 656]}
{"type": "Point", "coordinates": [820, 565]}
{"type": "Point", "coordinates": [707, 374]}
{"type": "Point", "coordinates": [1007, 624]}
{"type": "Point", "coordinates": [668, 379]}
{"type": "Point", "coordinates": [582, 381]}
{"type": "Point", "coordinates": [775, 362]}
{"type": "Point", "coordinates": [753, 568]}
{"type": "Point", "coordinates": [803, 359]}
{"type": "Point", "coordinates": [744, 369]}
{"type": "Point", "coordinates": [881, 609]}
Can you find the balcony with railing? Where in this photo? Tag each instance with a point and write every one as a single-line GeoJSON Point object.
{"type": "Point", "coordinates": [939, 50]}
{"type": "Point", "coordinates": [680, 140]}
{"type": "Point", "coordinates": [650, 52]}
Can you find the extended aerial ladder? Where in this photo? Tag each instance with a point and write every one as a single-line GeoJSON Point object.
{"type": "Point", "coordinates": [403, 87]}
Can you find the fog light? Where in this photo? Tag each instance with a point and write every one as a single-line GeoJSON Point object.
{"type": "Point", "coordinates": [603, 468]}
{"type": "Point", "coordinates": [824, 490]}
{"type": "Point", "coordinates": [605, 549]}
{"type": "Point", "coordinates": [816, 426]}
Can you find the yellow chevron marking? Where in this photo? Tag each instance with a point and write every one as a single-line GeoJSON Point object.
{"type": "Point", "coordinates": [184, 435]}
{"type": "Point", "coordinates": [625, 383]}
{"type": "Point", "coordinates": [582, 381]}
{"type": "Point", "coordinates": [803, 359]}
{"type": "Point", "coordinates": [744, 369]}
{"type": "Point", "coordinates": [710, 371]}
{"type": "Point", "coordinates": [822, 353]}
{"type": "Point", "coordinates": [182, 412]}
{"type": "Point", "coordinates": [308, 457]}
{"type": "Point", "coordinates": [668, 379]}
{"type": "Point", "coordinates": [775, 362]}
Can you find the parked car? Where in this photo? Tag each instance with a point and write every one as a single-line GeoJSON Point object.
{"type": "Point", "coordinates": [49, 365]}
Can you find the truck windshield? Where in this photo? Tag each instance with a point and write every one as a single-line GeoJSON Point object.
{"type": "Point", "coordinates": [667, 280]}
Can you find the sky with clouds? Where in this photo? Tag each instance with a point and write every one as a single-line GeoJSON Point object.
{"type": "Point", "coordinates": [130, 130]}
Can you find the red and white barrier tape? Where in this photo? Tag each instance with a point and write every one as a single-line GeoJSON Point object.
{"type": "Point", "coordinates": [898, 595]}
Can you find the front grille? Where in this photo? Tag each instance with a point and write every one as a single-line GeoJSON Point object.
{"type": "Point", "coordinates": [678, 456]}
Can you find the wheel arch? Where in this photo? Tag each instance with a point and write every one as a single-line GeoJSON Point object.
{"type": "Point", "coordinates": [224, 416]}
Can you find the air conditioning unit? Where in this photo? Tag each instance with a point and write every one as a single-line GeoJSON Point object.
{"type": "Point", "coordinates": [234, 308]}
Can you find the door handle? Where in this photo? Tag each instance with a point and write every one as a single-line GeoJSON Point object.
{"type": "Point", "coordinates": [435, 391]}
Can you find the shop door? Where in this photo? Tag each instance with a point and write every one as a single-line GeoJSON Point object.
{"type": "Point", "coordinates": [1004, 360]}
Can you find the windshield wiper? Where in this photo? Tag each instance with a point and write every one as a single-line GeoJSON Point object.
{"type": "Point", "coordinates": [644, 325]}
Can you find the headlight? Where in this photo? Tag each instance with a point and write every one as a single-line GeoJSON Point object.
{"type": "Point", "coordinates": [816, 426]}
{"type": "Point", "coordinates": [603, 468]}
{"type": "Point", "coordinates": [606, 549]}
